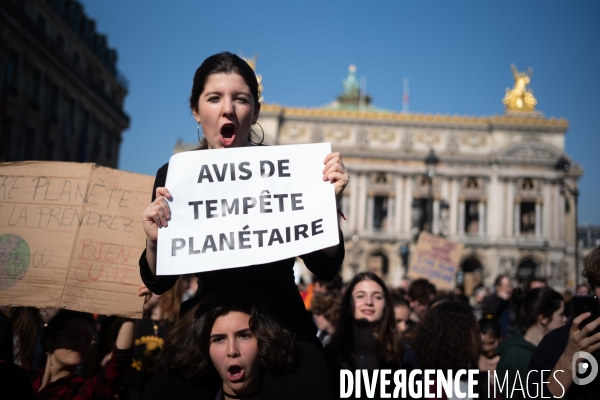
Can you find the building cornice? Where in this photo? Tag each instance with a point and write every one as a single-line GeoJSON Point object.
{"type": "Point", "coordinates": [492, 122]}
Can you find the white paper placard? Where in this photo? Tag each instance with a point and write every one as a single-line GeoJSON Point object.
{"type": "Point", "coordinates": [246, 206]}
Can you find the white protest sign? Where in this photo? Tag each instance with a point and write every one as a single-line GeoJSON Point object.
{"type": "Point", "coordinates": [246, 206]}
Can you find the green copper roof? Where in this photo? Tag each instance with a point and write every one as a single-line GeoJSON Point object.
{"type": "Point", "coordinates": [352, 99]}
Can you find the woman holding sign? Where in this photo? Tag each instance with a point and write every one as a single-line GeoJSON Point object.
{"type": "Point", "coordinates": [224, 101]}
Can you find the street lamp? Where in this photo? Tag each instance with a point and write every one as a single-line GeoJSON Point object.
{"type": "Point", "coordinates": [430, 161]}
{"type": "Point", "coordinates": [563, 165]}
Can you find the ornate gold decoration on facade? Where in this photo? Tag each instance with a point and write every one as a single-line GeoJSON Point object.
{"type": "Point", "coordinates": [383, 136]}
{"type": "Point", "coordinates": [337, 133]}
{"type": "Point", "coordinates": [294, 131]}
{"type": "Point", "coordinates": [428, 138]}
{"type": "Point", "coordinates": [473, 140]}
{"type": "Point", "coordinates": [520, 98]}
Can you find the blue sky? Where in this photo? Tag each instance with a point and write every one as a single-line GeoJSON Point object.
{"type": "Point", "coordinates": [456, 55]}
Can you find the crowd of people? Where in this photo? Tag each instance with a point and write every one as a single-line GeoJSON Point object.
{"type": "Point", "coordinates": [251, 333]}
{"type": "Point", "coordinates": [234, 340]}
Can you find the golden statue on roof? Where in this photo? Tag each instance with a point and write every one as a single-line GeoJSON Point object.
{"type": "Point", "coordinates": [252, 63]}
{"type": "Point", "coordinates": [520, 98]}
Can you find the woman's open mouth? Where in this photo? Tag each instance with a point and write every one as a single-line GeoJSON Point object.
{"type": "Point", "coordinates": [228, 131]}
{"type": "Point", "coordinates": [235, 373]}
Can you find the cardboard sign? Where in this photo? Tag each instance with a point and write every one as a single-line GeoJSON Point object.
{"type": "Point", "coordinates": [435, 259]}
{"type": "Point", "coordinates": [246, 206]}
{"type": "Point", "coordinates": [71, 236]}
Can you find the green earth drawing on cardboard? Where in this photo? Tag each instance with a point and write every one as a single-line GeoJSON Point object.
{"type": "Point", "coordinates": [14, 260]}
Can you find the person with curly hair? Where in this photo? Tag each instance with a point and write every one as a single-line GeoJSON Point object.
{"type": "Point", "coordinates": [421, 292]}
{"type": "Point", "coordinates": [233, 337]}
{"type": "Point", "coordinates": [325, 308]}
{"type": "Point", "coordinates": [366, 337]}
{"type": "Point", "coordinates": [449, 339]}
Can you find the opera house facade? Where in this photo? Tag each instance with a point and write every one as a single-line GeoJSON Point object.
{"type": "Point", "coordinates": [501, 184]}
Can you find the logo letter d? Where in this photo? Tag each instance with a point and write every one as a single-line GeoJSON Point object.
{"type": "Point", "coordinates": [593, 363]}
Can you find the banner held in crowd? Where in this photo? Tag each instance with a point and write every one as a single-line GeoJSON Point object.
{"type": "Point", "coordinates": [71, 236]}
{"type": "Point", "coordinates": [246, 206]}
{"type": "Point", "coordinates": [435, 259]}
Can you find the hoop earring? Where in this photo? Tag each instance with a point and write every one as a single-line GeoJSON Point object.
{"type": "Point", "coordinates": [199, 140]}
{"type": "Point", "coordinates": [263, 135]}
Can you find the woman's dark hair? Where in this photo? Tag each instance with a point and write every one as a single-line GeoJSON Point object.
{"type": "Point", "coordinates": [59, 322]}
{"type": "Point", "coordinates": [170, 302]}
{"type": "Point", "coordinates": [388, 341]}
{"type": "Point", "coordinates": [222, 63]}
{"type": "Point", "coordinates": [491, 326]}
{"type": "Point", "coordinates": [398, 299]}
{"type": "Point", "coordinates": [187, 345]}
{"type": "Point", "coordinates": [421, 290]}
{"type": "Point", "coordinates": [448, 337]}
{"type": "Point", "coordinates": [26, 323]}
{"type": "Point", "coordinates": [443, 297]}
{"type": "Point", "coordinates": [536, 302]}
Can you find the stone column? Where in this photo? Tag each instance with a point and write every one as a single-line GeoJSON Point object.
{"type": "Point", "coordinates": [517, 217]}
{"type": "Point", "coordinates": [435, 223]}
{"type": "Point", "coordinates": [482, 219]}
{"type": "Point", "coordinates": [353, 210]}
{"type": "Point", "coordinates": [547, 216]}
{"type": "Point", "coordinates": [538, 219]}
{"type": "Point", "coordinates": [445, 191]}
{"type": "Point", "coordinates": [391, 212]}
{"type": "Point", "coordinates": [370, 208]}
{"type": "Point", "coordinates": [561, 218]}
{"type": "Point", "coordinates": [454, 185]}
{"type": "Point", "coordinates": [556, 211]}
{"type": "Point", "coordinates": [408, 198]}
{"type": "Point", "coordinates": [510, 208]}
{"type": "Point", "coordinates": [494, 207]}
{"type": "Point", "coordinates": [399, 203]}
{"type": "Point", "coordinates": [362, 202]}
{"type": "Point", "coordinates": [445, 188]}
